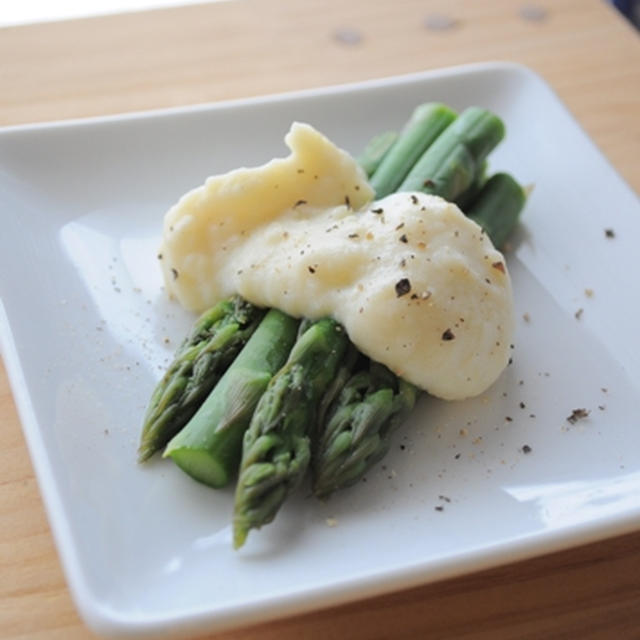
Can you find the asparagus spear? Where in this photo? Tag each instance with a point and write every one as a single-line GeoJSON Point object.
{"type": "Point", "coordinates": [497, 207]}
{"type": "Point", "coordinates": [276, 446]}
{"type": "Point", "coordinates": [356, 432]}
{"type": "Point", "coordinates": [215, 340]}
{"type": "Point", "coordinates": [465, 199]}
{"type": "Point", "coordinates": [448, 167]}
{"type": "Point", "coordinates": [375, 150]}
{"type": "Point", "coordinates": [427, 122]}
{"type": "Point", "coordinates": [209, 447]}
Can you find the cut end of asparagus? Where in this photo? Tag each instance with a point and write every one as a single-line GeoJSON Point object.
{"type": "Point", "coordinates": [498, 206]}
{"type": "Point", "coordinates": [427, 122]}
{"type": "Point", "coordinates": [200, 465]}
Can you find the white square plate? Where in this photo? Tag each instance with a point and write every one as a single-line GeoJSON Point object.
{"type": "Point", "coordinates": [86, 331]}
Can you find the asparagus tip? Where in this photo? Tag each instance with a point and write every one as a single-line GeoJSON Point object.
{"type": "Point", "coordinates": [144, 453]}
{"type": "Point", "coordinates": [240, 533]}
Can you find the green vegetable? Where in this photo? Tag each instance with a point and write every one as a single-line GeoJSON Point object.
{"type": "Point", "coordinates": [427, 122]}
{"type": "Point", "coordinates": [498, 206]}
{"type": "Point", "coordinates": [215, 340]}
{"type": "Point", "coordinates": [450, 165]}
{"type": "Point", "coordinates": [209, 447]}
{"type": "Point", "coordinates": [465, 199]}
{"type": "Point", "coordinates": [276, 447]}
{"type": "Point", "coordinates": [375, 150]}
{"type": "Point", "coordinates": [356, 430]}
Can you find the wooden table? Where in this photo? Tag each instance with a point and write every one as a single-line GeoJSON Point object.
{"type": "Point", "coordinates": [202, 53]}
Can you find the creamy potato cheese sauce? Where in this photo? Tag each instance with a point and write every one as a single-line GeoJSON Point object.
{"type": "Point", "coordinates": [416, 284]}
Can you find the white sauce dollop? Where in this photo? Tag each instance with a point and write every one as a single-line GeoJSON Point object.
{"type": "Point", "coordinates": [417, 285]}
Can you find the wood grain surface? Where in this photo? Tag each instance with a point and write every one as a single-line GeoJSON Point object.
{"type": "Point", "coordinates": [239, 48]}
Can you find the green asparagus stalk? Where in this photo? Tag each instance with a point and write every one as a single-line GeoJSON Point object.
{"type": "Point", "coordinates": [356, 431]}
{"type": "Point", "coordinates": [276, 446]}
{"type": "Point", "coordinates": [353, 360]}
{"type": "Point", "coordinates": [215, 339]}
{"type": "Point", "coordinates": [498, 206]}
{"type": "Point", "coordinates": [465, 199]}
{"type": "Point", "coordinates": [449, 166]}
{"type": "Point", "coordinates": [375, 150]}
{"type": "Point", "coordinates": [209, 447]}
{"type": "Point", "coordinates": [427, 122]}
